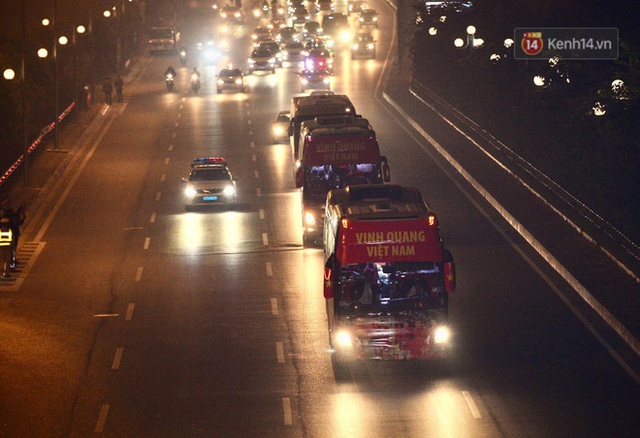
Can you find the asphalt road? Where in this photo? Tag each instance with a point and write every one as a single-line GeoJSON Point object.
{"type": "Point", "coordinates": [136, 318]}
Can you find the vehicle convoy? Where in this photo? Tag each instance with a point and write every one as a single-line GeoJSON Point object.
{"type": "Point", "coordinates": [334, 152]}
{"type": "Point", "coordinates": [163, 39]}
{"type": "Point", "coordinates": [305, 107]}
{"type": "Point", "coordinates": [387, 277]}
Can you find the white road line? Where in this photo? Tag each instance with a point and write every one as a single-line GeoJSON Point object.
{"type": "Point", "coordinates": [274, 306]}
{"type": "Point", "coordinates": [177, 124]}
{"type": "Point", "coordinates": [173, 135]}
{"type": "Point", "coordinates": [102, 419]}
{"type": "Point", "coordinates": [248, 122]}
{"type": "Point", "coordinates": [252, 144]}
{"type": "Point", "coordinates": [472, 404]}
{"type": "Point", "coordinates": [261, 211]}
{"type": "Point", "coordinates": [269, 269]}
{"type": "Point", "coordinates": [265, 239]}
{"type": "Point", "coordinates": [280, 352]}
{"type": "Point", "coordinates": [170, 147]}
{"type": "Point", "coordinates": [139, 273]}
{"type": "Point", "coordinates": [258, 192]}
{"type": "Point", "coordinates": [158, 196]}
{"type": "Point", "coordinates": [152, 219]}
{"type": "Point", "coordinates": [117, 358]}
{"type": "Point", "coordinates": [147, 242]}
{"type": "Point", "coordinates": [253, 157]}
{"type": "Point", "coordinates": [250, 132]}
{"type": "Point", "coordinates": [286, 407]}
{"type": "Point", "coordinates": [166, 161]}
{"type": "Point", "coordinates": [129, 314]}
{"type": "Point", "coordinates": [163, 178]}
{"type": "Point", "coordinates": [256, 174]}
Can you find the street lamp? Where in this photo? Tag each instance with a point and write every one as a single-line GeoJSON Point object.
{"type": "Point", "coordinates": [471, 40]}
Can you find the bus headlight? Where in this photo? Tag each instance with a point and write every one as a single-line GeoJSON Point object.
{"type": "Point", "coordinates": [343, 339]}
{"type": "Point", "coordinates": [441, 335]}
{"type": "Point", "coordinates": [309, 219]}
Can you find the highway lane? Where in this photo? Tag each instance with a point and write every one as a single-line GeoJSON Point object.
{"type": "Point", "coordinates": [206, 328]}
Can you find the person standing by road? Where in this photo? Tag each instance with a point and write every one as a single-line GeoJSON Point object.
{"type": "Point", "coordinates": [107, 87]}
{"type": "Point", "coordinates": [117, 82]}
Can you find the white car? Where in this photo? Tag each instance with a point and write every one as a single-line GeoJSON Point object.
{"type": "Point", "coordinates": [209, 183]}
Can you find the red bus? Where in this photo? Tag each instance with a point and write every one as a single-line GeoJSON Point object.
{"type": "Point", "coordinates": [387, 276]}
{"type": "Point", "coordinates": [334, 152]}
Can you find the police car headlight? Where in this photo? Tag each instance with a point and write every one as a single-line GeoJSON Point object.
{"type": "Point", "coordinates": [220, 82]}
{"type": "Point", "coordinates": [370, 46]}
{"type": "Point", "coordinates": [326, 80]}
{"type": "Point", "coordinates": [251, 61]}
{"type": "Point", "coordinates": [309, 219]}
{"type": "Point", "coordinates": [238, 81]}
{"type": "Point", "coordinates": [304, 81]}
{"type": "Point", "coordinates": [190, 192]}
{"type": "Point", "coordinates": [441, 335]}
{"type": "Point", "coordinates": [229, 191]}
{"type": "Point", "coordinates": [343, 339]}
{"type": "Point", "coordinates": [354, 47]}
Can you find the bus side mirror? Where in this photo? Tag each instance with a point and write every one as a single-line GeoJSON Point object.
{"type": "Point", "coordinates": [386, 170]}
{"type": "Point", "coordinates": [299, 177]}
{"type": "Point", "coordinates": [290, 129]}
{"type": "Point", "coordinates": [449, 271]}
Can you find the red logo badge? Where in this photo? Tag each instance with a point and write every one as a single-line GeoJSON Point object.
{"type": "Point", "coordinates": [531, 43]}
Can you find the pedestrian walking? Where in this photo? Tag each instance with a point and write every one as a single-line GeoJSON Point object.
{"type": "Point", "coordinates": [107, 87]}
{"type": "Point", "coordinates": [117, 82]}
{"type": "Point", "coordinates": [6, 240]}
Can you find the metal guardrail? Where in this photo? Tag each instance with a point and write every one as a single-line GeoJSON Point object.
{"type": "Point", "coordinates": [47, 129]}
{"type": "Point", "coordinates": [596, 229]}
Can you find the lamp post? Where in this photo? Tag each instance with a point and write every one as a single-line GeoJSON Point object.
{"type": "Point", "coordinates": [471, 40]}
{"type": "Point", "coordinates": [10, 75]}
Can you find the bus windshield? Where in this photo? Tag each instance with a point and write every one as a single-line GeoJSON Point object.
{"type": "Point", "coordinates": [390, 287]}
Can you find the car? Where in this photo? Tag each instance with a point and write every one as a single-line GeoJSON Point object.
{"type": "Point", "coordinates": [293, 52]}
{"type": "Point", "coordinates": [311, 29]}
{"type": "Point", "coordinates": [210, 53]}
{"type": "Point", "coordinates": [230, 79]}
{"type": "Point", "coordinates": [315, 80]}
{"type": "Point", "coordinates": [368, 17]}
{"type": "Point", "coordinates": [336, 25]}
{"type": "Point", "coordinates": [231, 14]}
{"type": "Point", "coordinates": [325, 5]}
{"type": "Point", "coordinates": [210, 182]}
{"type": "Point", "coordinates": [262, 59]}
{"type": "Point", "coordinates": [322, 93]}
{"type": "Point", "coordinates": [287, 34]}
{"type": "Point", "coordinates": [363, 44]}
{"type": "Point", "coordinates": [260, 31]}
{"type": "Point", "coordinates": [319, 59]}
{"type": "Point", "coordinates": [274, 48]}
{"type": "Point", "coordinates": [280, 127]}
{"type": "Point", "coordinates": [299, 16]}
{"type": "Point", "coordinates": [356, 6]}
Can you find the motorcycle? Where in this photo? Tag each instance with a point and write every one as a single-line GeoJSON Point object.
{"type": "Point", "coordinates": [169, 81]}
{"type": "Point", "coordinates": [183, 56]}
{"type": "Point", "coordinates": [195, 82]}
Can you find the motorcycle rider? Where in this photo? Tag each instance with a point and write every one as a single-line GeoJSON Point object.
{"type": "Point", "coordinates": [170, 71]}
{"type": "Point", "coordinates": [195, 79]}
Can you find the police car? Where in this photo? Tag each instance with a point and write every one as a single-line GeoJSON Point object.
{"type": "Point", "coordinates": [209, 183]}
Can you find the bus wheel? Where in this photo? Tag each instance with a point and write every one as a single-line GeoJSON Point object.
{"type": "Point", "coordinates": [341, 371]}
